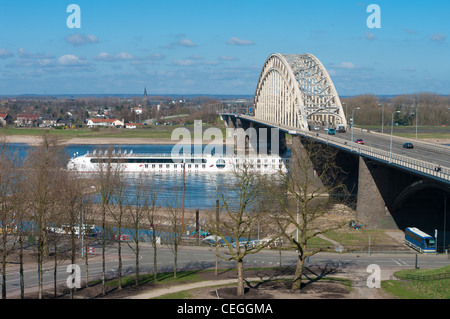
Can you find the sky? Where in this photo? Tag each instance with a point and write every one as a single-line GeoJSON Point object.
{"type": "Point", "coordinates": [219, 47]}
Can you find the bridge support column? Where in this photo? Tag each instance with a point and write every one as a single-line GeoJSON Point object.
{"type": "Point", "coordinates": [372, 209]}
{"type": "Point", "coordinates": [302, 169]}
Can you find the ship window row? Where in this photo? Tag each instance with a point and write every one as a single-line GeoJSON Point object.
{"type": "Point", "coordinates": [142, 161]}
{"type": "Point", "coordinates": [188, 166]}
{"type": "Point", "coordinates": [260, 161]}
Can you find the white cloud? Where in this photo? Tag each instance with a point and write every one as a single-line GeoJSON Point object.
{"type": "Point", "coordinates": [345, 65]}
{"type": "Point", "coordinates": [122, 56]}
{"type": "Point", "coordinates": [4, 53]}
{"type": "Point", "coordinates": [185, 62]}
{"type": "Point", "coordinates": [27, 55]}
{"type": "Point", "coordinates": [71, 60]}
{"type": "Point", "coordinates": [438, 37]}
{"type": "Point", "coordinates": [237, 41]}
{"type": "Point", "coordinates": [186, 43]}
{"type": "Point", "coordinates": [155, 56]}
{"type": "Point", "coordinates": [80, 39]}
{"type": "Point", "coordinates": [370, 36]}
{"type": "Point", "coordinates": [227, 58]}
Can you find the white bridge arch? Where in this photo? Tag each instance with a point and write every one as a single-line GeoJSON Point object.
{"type": "Point", "coordinates": [295, 90]}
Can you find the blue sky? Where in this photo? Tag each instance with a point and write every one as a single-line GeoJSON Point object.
{"type": "Point", "coordinates": [219, 47]}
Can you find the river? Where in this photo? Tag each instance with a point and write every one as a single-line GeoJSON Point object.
{"type": "Point", "coordinates": [200, 188]}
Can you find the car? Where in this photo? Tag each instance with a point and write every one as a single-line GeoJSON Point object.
{"type": "Point", "coordinates": [331, 131]}
{"type": "Point", "coordinates": [316, 128]}
{"type": "Point", "coordinates": [359, 141]}
{"type": "Point", "coordinates": [408, 145]}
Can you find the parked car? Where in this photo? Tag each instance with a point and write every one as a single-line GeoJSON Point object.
{"type": "Point", "coordinates": [408, 145]}
{"type": "Point", "coordinates": [359, 141]}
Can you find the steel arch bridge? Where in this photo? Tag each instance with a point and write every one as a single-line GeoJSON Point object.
{"type": "Point", "coordinates": [295, 90]}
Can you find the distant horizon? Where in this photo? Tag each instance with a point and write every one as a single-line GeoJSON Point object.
{"type": "Point", "coordinates": [70, 95]}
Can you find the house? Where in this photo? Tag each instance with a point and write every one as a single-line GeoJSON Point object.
{"type": "Point", "coordinates": [104, 122]}
{"type": "Point", "coordinates": [5, 119]}
{"type": "Point", "coordinates": [130, 125]}
{"type": "Point", "coordinates": [47, 121]}
{"type": "Point", "coordinates": [27, 120]}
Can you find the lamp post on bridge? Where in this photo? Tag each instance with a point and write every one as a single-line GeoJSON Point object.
{"type": "Point", "coordinates": [353, 122]}
{"type": "Point", "coordinates": [382, 117]}
{"type": "Point", "coordinates": [392, 128]}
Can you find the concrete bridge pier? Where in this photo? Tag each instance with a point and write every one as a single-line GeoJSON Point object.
{"type": "Point", "coordinates": [372, 209]}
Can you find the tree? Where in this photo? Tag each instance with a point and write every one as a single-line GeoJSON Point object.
{"type": "Point", "coordinates": [118, 212]}
{"type": "Point", "coordinates": [309, 192]}
{"type": "Point", "coordinates": [152, 191]}
{"type": "Point", "coordinates": [9, 205]}
{"type": "Point", "coordinates": [174, 219]}
{"type": "Point", "coordinates": [44, 164]}
{"type": "Point", "coordinates": [107, 175]}
{"type": "Point", "coordinates": [136, 213]}
{"type": "Point", "coordinates": [240, 221]}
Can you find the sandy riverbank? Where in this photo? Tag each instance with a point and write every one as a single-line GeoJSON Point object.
{"type": "Point", "coordinates": [35, 140]}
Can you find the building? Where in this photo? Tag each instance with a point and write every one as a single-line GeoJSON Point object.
{"type": "Point", "coordinates": [130, 125]}
{"type": "Point", "coordinates": [104, 122]}
{"type": "Point", "coordinates": [5, 119]}
{"type": "Point", "coordinates": [27, 120]}
{"type": "Point", "coordinates": [46, 121]}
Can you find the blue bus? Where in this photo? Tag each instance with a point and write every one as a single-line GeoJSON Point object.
{"type": "Point", "coordinates": [419, 240]}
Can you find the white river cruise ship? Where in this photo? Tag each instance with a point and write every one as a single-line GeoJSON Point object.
{"type": "Point", "coordinates": [90, 162]}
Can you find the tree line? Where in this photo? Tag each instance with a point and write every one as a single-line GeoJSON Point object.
{"type": "Point", "coordinates": [38, 195]}
{"type": "Point", "coordinates": [429, 109]}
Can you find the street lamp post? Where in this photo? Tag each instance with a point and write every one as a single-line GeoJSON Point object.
{"type": "Point", "coordinates": [392, 128]}
{"type": "Point", "coordinates": [382, 117]}
{"type": "Point", "coordinates": [353, 122]}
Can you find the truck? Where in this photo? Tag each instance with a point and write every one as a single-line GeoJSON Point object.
{"type": "Point", "coordinates": [340, 128]}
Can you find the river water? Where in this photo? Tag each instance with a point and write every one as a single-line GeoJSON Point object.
{"type": "Point", "coordinates": [200, 188]}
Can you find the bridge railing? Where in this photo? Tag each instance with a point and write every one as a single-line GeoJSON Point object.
{"type": "Point", "coordinates": [427, 168]}
{"type": "Point", "coordinates": [391, 158]}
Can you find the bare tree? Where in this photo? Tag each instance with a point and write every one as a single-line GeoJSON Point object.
{"type": "Point", "coordinates": [136, 213]}
{"type": "Point", "coordinates": [107, 173]}
{"type": "Point", "coordinates": [9, 205]}
{"type": "Point", "coordinates": [118, 211]}
{"type": "Point", "coordinates": [239, 223]}
{"type": "Point", "coordinates": [307, 198]}
{"type": "Point", "coordinates": [152, 191]}
{"type": "Point", "coordinates": [174, 218]}
{"type": "Point", "coordinates": [44, 164]}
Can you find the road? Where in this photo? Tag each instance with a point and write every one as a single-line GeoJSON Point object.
{"type": "Point", "coordinates": [422, 151]}
{"type": "Point", "coordinates": [204, 258]}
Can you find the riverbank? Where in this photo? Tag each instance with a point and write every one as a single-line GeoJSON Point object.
{"type": "Point", "coordinates": [35, 140]}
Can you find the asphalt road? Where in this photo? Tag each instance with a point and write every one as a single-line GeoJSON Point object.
{"type": "Point", "coordinates": [421, 151]}
{"type": "Point", "coordinates": [205, 258]}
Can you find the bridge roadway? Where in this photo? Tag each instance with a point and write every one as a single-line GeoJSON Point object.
{"type": "Point", "coordinates": [423, 159]}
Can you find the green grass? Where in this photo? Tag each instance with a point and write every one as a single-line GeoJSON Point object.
{"type": "Point", "coordinates": [352, 237]}
{"type": "Point", "coordinates": [144, 132]}
{"type": "Point", "coordinates": [436, 289]}
{"type": "Point", "coordinates": [423, 132]}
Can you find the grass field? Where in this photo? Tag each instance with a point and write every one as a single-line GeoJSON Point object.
{"type": "Point", "coordinates": [145, 132]}
{"type": "Point", "coordinates": [435, 289]}
{"type": "Point", "coordinates": [423, 132]}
